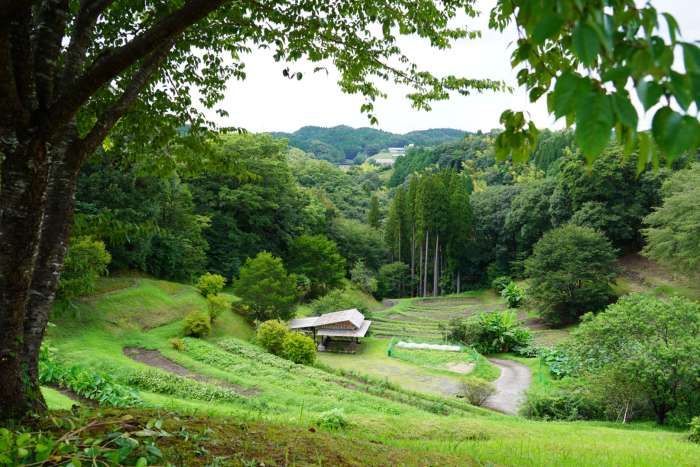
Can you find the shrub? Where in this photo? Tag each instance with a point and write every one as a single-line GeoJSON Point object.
{"type": "Point", "coordinates": [513, 295]}
{"type": "Point", "coordinates": [492, 332]}
{"type": "Point", "coordinates": [477, 390]}
{"type": "Point", "coordinates": [271, 336]}
{"type": "Point", "coordinates": [216, 305]}
{"type": "Point", "coordinates": [570, 404]}
{"type": "Point", "coordinates": [266, 289]}
{"type": "Point", "coordinates": [363, 278]}
{"type": "Point", "coordinates": [332, 420]}
{"type": "Point", "coordinates": [197, 324]}
{"type": "Point", "coordinates": [177, 344]}
{"type": "Point", "coordinates": [695, 430]}
{"type": "Point", "coordinates": [558, 361]}
{"type": "Point", "coordinates": [570, 272]}
{"type": "Point", "coordinates": [86, 260]}
{"type": "Point", "coordinates": [210, 284]}
{"type": "Point", "coordinates": [299, 348]}
{"type": "Point", "coordinates": [500, 283]}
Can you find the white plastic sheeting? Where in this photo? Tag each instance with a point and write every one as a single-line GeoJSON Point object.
{"type": "Point", "coordinates": [414, 345]}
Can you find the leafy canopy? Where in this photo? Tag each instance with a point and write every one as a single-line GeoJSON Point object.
{"type": "Point", "coordinates": [647, 342]}
{"type": "Point", "coordinates": [317, 257]}
{"type": "Point", "coordinates": [570, 272]}
{"type": "Point", "coordinates": [266, 289]}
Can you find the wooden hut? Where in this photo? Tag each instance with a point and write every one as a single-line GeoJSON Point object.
{"type": "Point", "coordinates": [339, 331]}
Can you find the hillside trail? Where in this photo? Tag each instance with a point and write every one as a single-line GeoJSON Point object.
{"type": "Point", "coordinates": [510, 386]}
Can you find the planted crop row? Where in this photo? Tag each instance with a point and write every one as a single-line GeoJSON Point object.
{"type": "Point", "coordinates": [86, 383]}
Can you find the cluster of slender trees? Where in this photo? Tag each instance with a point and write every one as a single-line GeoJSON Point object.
{"type": "Point", "coordinates": [428, 226]}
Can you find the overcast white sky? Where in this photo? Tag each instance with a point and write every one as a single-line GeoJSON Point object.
{"type": "Point", "coordinates": [266, 101]}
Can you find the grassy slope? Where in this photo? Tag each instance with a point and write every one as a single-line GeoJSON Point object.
{"type": "Point", "coordinates": [146, 313]}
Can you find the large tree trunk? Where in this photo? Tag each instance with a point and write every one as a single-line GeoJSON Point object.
{"type": "Point", "coordinates": [22, 202]}
{"type": "Point", "coordinates": [34, 233]}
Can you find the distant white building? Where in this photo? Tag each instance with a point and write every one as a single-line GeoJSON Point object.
{"type": "Point", "coordinates": [397, 151]}
{"type": "Point", "coordinates": [385, 161]}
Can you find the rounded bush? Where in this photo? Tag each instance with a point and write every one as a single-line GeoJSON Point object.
{"type": "Point", "coordinates": [477, 390]}
{"type": "Point", "coordinates": [299, 348]}
{"type": "Point", "coordinates": [271, 336]}
{"type": "Point", "coordinates": [695, 430]}
{"type": "Point", "coordinates": [197, 324]}
{"type": "Point", "coordinates": [332, 420]}
{"type": "Point", "coordinates": [210, 284]}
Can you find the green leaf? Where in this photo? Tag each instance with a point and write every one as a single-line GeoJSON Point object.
{"type": "Point", "coordinates": [649, 93]}
{"type": "Point", "coordinates": [565, 92]}
{"type": "Point", "coordinates": [625, 111]}
{"type": "Point", "coordinates": [691, 58]}
{"type": "Point", "coordinates": [680, 86]}
{"type": "Point", "coordinates": [547, 27]}
{"type": "Point", "coordinates": [142, 462]}
{"type": "Point", "coordinates": [585, 43]}
{"type": "Point", "coordinates": [594, 122]}
{"type": "Point", "coordinates": [673, 27]}
{"type": "Point", "coordinates": [674, 133]}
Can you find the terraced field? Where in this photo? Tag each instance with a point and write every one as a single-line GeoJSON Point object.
{"type": "Point", "coordinates": [420, 318]}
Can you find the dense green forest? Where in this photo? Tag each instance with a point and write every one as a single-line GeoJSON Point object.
{"type": "Point", "coordinates": [343, 143]}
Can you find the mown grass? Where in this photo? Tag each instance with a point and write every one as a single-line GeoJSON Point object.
{"type": "Point", "coordinates": [390, 423]}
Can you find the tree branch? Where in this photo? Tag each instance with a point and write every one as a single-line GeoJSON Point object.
{"type": "Point", "coordinates": [20, 52]}
{"type": "Point", "coordinates": [51, 25]}
{"type": "Point", "coordinates": [111, 64]}
{"type": "Point", "coordinates": [83, 30]}
{"type": "Point", "coordinates": [109, 118]}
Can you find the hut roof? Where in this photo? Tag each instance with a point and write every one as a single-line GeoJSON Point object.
{"type": "Point", "coordinates": [346, 332]}
{"type": "Point", "coordinates": [352, 315]}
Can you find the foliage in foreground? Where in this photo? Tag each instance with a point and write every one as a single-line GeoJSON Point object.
{"type": "Point", "coordinates": [570, 272]}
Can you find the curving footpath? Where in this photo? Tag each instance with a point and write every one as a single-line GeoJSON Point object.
{"type": "Point", "coordinates": [510, 386]}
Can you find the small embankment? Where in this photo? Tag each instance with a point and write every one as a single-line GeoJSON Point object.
{"type": "Point", "coordinates": [155, 359]}
{"type": "Point", "coordinates": [510, 386]}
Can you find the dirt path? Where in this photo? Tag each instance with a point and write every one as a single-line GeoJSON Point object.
{"type": "Point", "coordinates": [510, 386]}
{"type": "Point", "coordinates": [155, 359]}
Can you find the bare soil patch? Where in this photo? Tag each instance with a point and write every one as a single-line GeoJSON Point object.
{"type": "Point", "coordinates": [155, 359]}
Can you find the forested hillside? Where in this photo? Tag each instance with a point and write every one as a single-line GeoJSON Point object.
{"type": "Point", "coordinates": [341, 143]}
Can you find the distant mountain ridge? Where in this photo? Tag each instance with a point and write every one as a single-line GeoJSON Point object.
{"type": "Point", "coordinates": [339, 143]}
